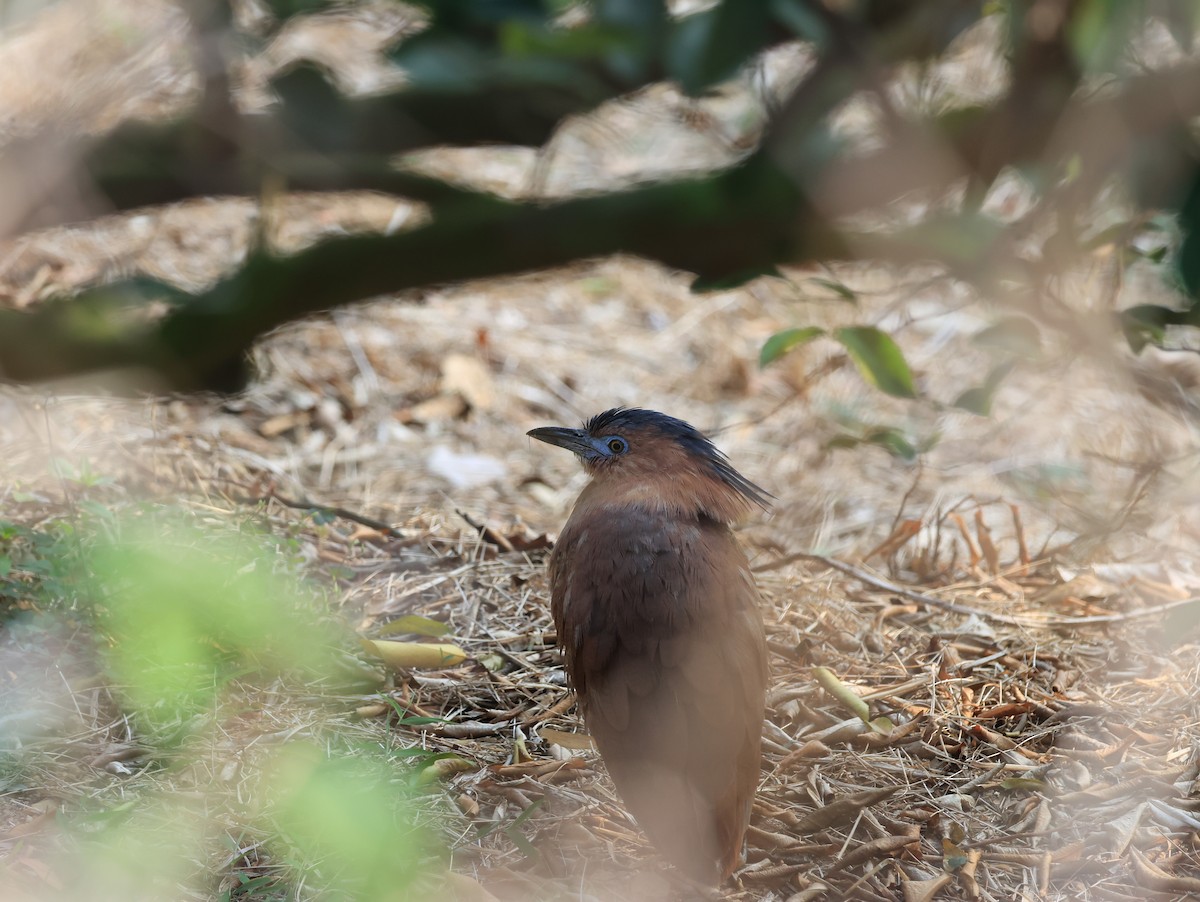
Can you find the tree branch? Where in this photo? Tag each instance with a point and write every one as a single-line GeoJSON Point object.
{"type": "Point", "coordinates": [742, 221]}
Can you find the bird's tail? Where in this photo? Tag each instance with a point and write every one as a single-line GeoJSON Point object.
{"type": "Point", "coordinates": [703, 841]}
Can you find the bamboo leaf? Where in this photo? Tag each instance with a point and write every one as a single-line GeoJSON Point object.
{"type": "Point", "coordinates": [416, 654]}
{"type": "Point", "coordinates": [843, 693]}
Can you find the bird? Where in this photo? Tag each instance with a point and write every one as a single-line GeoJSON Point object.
{"type": "Point", "coordinates": [657, 615]}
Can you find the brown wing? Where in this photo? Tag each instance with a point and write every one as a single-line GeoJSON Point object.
{"type": "Point", "coordinates": [664, 645]}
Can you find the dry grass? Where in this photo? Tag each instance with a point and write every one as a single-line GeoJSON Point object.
{"type": "Point", "coordinates": [1029, 757]}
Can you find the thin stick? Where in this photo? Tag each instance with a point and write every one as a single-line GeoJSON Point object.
{"type": "Point", "coordinates": [1013, 620]}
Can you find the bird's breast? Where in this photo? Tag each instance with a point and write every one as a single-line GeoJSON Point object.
{"type": "Point", "coordinates": [635, 581]}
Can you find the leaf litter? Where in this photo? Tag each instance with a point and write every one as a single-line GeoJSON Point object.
{"type": "Point", "coordinates": [1016, 610]}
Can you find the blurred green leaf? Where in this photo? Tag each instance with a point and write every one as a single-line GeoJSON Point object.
{"type": "Point", "coordinates": [978, 400]}
{"type": "Point", "coordinates": [436, 62]}
{"type": "Point", "coordinates": [585, 42]}
{"type": "Point", "coordinates": [1113, 234]}
{"type": "Point", "coordinates": [643, 25]}
{"type": "Point", "coordinates": [1182, 18]}
{"type": "Point", "coordinates": [798, 16]}
{"type": "Point", "coordinates": [964, 240]}
{"type": "Point", "coordinates": [1100, 31]}
{"type": "Point", "coordinates": [1013, 335]}
{"type": "Point", "coordinates": [712, 46]}
{"type": "Point", "coordinates": [1155, 255]}
{"type": "Point", "coordinates": [892, 440]}
{"type": "Point", "coordinates": [286, 9]}
{"type": "Point", "coordinates": [188, 609]}
{"type": "Point", "coordinates": [478, 16]}
{"type": "Point", "coordinates": [140, 849]}
{"type": "Point", "coordinates": [837, 287]}
{"type": "Point", "coordinates": [343, 821]}
{"type": "Point", "coordinates": [1145, 324]}
{"type": "Point", "coordinates": [702, 284]}
{"type": "Point", "coordinates": [782, 342]}
{"type": "Point", "coordinates": [879, 359]}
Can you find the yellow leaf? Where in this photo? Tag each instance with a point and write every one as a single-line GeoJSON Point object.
{"type": "Point", "coordinates": [417, 654]}
{"type": "Point", "coordinates": [843, 693]}
{"type": "Point", "coordinates": [446, 767]}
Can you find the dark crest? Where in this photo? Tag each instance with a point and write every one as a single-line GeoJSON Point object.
{"type": "Point", "coordinates": [691, 439]}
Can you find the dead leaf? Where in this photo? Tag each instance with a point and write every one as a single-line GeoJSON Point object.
{"type": "Point", "coordinates": [46, 809]}
{"type": "Point", "coordinates": [576, 742]}
{"type": "Point", "coordinates": [276, 426]}
{"type": "Point", "coordinates": [986, 546]}
{"type": "Point", "coordinates": [1085, 585]}
{"type": "Point", "coordinates": [461, 888]}
{"type": "Point", "coordinates": [470, 378]}
{"type": "Point", "coordinates": [924, 890]}
{"type": "Point", "coordinates": [904, 532]}
{"type": "Point", "coordinates": [433, 410]}
{"type": "Point", "coordinates": [810, 751]}
{"type": "Point", "coordinates": [446, 767]}
{"type": "Point", "coordinates": [1152, 877]}
{"type": "Point", "coordinates": [842, 811]}
{"type": "Point", "coordinates": [884, 846]}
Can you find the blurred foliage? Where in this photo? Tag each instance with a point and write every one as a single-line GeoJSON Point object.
{"type": "Point", "coordinates": [183, 617]}
{"type": "Point", "coordinates": [480, 72]}
{"type": "Point", "coordinates": [185, 611]}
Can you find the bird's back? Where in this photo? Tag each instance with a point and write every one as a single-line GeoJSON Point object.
{"type": "Point", "coordinates": [658, 618]}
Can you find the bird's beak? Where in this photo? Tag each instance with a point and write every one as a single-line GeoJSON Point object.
{"type": "Point", "coordinates": [574, 440]}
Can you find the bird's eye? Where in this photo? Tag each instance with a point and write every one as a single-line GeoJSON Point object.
{"type": "Point", "coordinates": [617, 445]}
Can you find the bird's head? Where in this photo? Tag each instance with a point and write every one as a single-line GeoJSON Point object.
{"type": "Point", "coordinates": [637, 456]}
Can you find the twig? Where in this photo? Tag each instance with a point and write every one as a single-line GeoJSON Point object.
{"type": "Point", "coordinates": [1011, 619]}
{"type": "Point", "coordinates": [305, 504]}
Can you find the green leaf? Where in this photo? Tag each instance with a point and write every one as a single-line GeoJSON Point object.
{"type": "Point", "coordinates": [701, 284]}
{"type": "Point", "coordinates": [879, 359]}
{"type": "Point", "coordinates": [978, 400]}
{"type": "Point", "coordinates": [643, 24]}
{"type": "Point", "coordinates": [961, 241]}
{"type": "Point", "coordinates": [894, 442]}
{"type": "Point", "coordinates": [782, 342]}
{"type": "Point", "coordinates": [837, 288]}
{"type": "Point", "coordinates": [712, 46]}
{"type": "Point", "coordinates": [1146, 324]}
{"type": "Point", "coordinates": [1013, 335]}
{"type": "Point", "coordinates": [890, 439]}
{"type": "Point", "coordinates": [1099, 31]}
{"type": "Point", "coordinates": [523, 39]}
{"type": "Point", "coordinates": [798, 16]}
